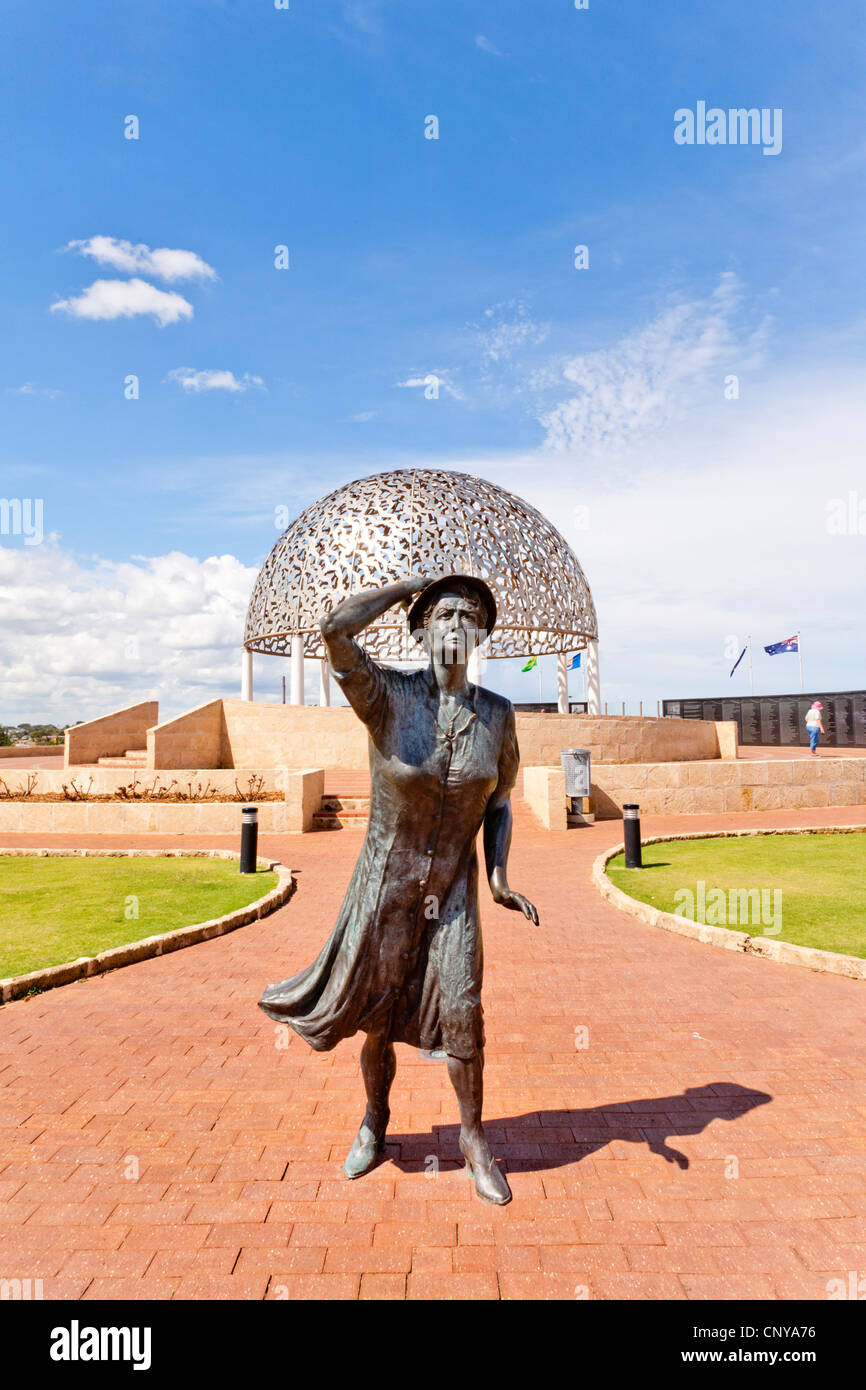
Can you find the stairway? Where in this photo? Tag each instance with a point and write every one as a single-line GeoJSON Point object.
{"type": "Point", "coordinates": [342, 813]}
{"type": "Point", "coordinates": [133, 758]}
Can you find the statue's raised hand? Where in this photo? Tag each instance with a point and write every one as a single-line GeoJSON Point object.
{"type": "Point", "coordinates": [414, 584]}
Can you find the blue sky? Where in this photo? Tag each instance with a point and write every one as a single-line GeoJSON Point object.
{"type": "Point", "coordinates": [600, 387]}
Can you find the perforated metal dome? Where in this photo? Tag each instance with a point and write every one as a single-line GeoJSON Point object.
{"type": "Point", "coordinates": [422, 521]}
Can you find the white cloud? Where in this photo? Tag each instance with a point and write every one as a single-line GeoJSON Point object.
{"type": "Point", "coordinates": [213, 380]}
{"type": "Point", "coordinates": [486, 46]}
{"type": "Point", "coordinates": [364, 415]}
{"type": "Point", "coordinates": [434, 380]}
{"type": "Point", "coordinates": [651, 376]}
{"type": "Point", "coordinates": [508, 329]}
{"type": "Point", "coordinates": [29, 389]}
{"type": "Point", "coordinates": [80, 639]}
{"type": "Point", "coordinates": [163, 262]}
{"type": "Point", "coordinates": [717, 528]}
{"type": "Point", "coordinates": [126, 299]}
{"type": "Point", "coordinates": [365, 15]}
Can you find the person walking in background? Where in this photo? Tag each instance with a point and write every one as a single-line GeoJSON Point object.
{"type": "Point", "coordinates": [814, 727]}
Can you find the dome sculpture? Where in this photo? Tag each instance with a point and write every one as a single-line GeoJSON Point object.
{"type": "Point", "coordinates": [421, 521]}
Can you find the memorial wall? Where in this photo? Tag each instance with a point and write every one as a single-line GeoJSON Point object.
{"type": "Point", "coordinates": [780, 720]}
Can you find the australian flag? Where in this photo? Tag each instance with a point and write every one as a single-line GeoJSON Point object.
{"type": "Point", "coordinates": [792, 645]}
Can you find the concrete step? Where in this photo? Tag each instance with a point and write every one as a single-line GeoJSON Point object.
{"type": "Point", "coordinates": [342, 813]}
{"type": "Point", "coordinates": [325, 820]}
{"type": "Point", "coordinates": [132, 758]}
{"type": "Point", "coordinates": [349, 804]}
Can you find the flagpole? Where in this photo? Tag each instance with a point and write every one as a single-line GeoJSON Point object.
{"type": "Point", "coordinates": [800, 659]}
{"type": "Point", "coordinates": [751, 681]}
{"type": "Point", "coordinates": [540, 694]}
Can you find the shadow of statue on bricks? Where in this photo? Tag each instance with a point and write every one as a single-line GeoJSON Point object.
{"type": "Point", "coordinates": [545, 1139]}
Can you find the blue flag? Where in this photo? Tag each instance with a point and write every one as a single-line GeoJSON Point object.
{"type": "Point", "coordinates": [737, 662]}
{"type": "Point", "coordinates": [574, 664]}
{"type": "Point", "coordinates": [792, 645]}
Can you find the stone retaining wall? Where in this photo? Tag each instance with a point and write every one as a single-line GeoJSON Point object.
{"type": "Point", "coordinates": [195, 739]}
{"type": "Point", "coordinates": [293, 814]}
{"type": "Point", "coordinates": [245, 734]}
{"type": "Point", "coordinates": [659, 789]}
{"type": "Point", "coordinates": [698, 788]}
{"type": "Point", "coordinates": [137, 818]}
{"type": "Point", "coordinates": [32, 750]}
{"type": "Point", "coordinates": [105, 781]}
{"type": "Point", "coordinates": [111, 735]}
{"type": "Point", "coordinates": [262, 735]}
{"type": "Point", "coordinates": [622, 738]}
{"type": "Point", "coordinates": [544, 793]}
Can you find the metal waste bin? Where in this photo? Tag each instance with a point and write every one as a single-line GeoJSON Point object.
{"type": "Point", "coordinates": [575, 765]}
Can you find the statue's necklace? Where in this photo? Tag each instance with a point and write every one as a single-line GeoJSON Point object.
{"type": "Point", "coordinates": [451, 732]}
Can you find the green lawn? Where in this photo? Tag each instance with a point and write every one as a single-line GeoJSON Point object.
{"type": "Point", "coordinates": [811, 886]}
{"type": "Point", "coordinates": [54, 910]}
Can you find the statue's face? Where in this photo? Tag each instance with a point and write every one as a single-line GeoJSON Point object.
{"type": "Point", "coordinates": [454, 628]}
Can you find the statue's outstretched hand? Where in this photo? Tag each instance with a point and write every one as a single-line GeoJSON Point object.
{"type": "Point", "coordinates": [518, 903]}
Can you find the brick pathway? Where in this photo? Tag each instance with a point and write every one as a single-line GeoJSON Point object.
{"type": "Point", "coordinates": [33, 761]}
{"type": "Point", "coordinates": [710, 1141]}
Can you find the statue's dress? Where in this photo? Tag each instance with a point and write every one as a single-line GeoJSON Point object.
{"type": "Point", "coordinates": [405, 956]}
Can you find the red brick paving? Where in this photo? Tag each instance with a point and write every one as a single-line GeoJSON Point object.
{"type": "Point", "coordinates": [617, 1153]}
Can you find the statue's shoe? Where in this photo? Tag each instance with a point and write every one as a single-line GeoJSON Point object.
{"type": "Point", "coordinates": [490, 1182]}
{"type": "Point", "coordinates": [365, 1151]}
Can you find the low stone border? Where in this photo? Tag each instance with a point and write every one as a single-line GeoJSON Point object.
{"type": "Point", "coordinates": [32, 750]}
{"type": "Point", "coordinates": [830, 962]}
{"type": "Point", "coordinates": [85, 966]}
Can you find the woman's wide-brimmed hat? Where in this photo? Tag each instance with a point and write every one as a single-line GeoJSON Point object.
{"type": "Point", "coordinates": [443, 585]}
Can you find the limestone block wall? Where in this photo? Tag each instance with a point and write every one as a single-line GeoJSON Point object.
{"type": "Point", "coordinates": [247, 734]}
{"type": "Point", "coordinates": [622, 739]}
{"type": "Point", "coordinates": [263, 735]}
{"type": "Point", "coordinates": [293, 736]}
{"type": "Point", "coordinates": [111, 735]}
{"type": "Point", "coordinates": [192, 740]}
{"type": "Point", "coordinates": [138, 818]}
{"type": "Point", "coordinates": [544, 792]}
{"type": "Point", "coordinates": [678, 788]}
{"type": "Point", "coordinates": [105, 781]}
{"type": "Point", "coordinates": [304, 791]}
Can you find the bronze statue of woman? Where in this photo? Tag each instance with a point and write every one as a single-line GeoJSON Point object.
{"type": "Point", "coordinates": [404, 961]}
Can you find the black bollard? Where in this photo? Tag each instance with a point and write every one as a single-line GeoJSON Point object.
{"type": "Point", "coordinates": [631, 835]}
{"type": "Point", "coordinates": [249, 839]}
